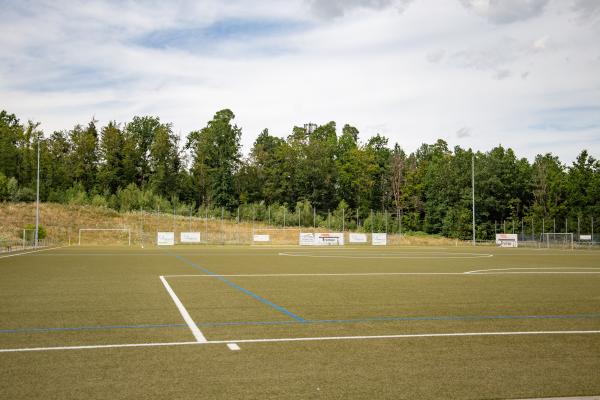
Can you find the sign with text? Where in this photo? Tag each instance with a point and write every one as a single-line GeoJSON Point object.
{"type": "Point", "coordinates": [189, 237]}
{"type": "Point", "coordinates": [307, 239]}
{"type": "Point", "coordinates": [261, 238]}
{"type": "Point", "coordinates": [165, 238]}
{"type": "Point", "coordinates": [379, 239]}
{"type": "Point", "coordinates": [507, 239]}
{"type": "Point", "coordinates": [329, 239]}
{"type": "Point", "coordinates": [357, 238]}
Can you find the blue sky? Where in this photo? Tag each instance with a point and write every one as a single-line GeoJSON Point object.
{"type": "Point", "coordinates": [477, 73]}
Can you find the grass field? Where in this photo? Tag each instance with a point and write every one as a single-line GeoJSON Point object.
{"type": "Point", "coordinates": [311, 323]}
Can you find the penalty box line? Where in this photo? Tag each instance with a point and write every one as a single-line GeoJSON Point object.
{"type": "Point", "coordinates": [300, 339]}
{"type": "Point", "coordinates": [200, 338]}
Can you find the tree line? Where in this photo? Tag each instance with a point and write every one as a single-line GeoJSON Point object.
{"type": "Point", "coordinates": [314, 174]}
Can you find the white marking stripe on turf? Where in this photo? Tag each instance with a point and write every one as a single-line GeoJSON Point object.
{"type": "Point", "coordinates": [33, 251]}
{"type": "Point", "coordinates": [186, 316]}
{"type": "Point", "coordinates": [233, 346]}
{"type": "Point", "coordinates": [301, 339]}
{"type": "Point", "coordinates": [480, 272]}
{"type": "Point", "coordinates": [563, 269]}
{"type": "Point", "coordinates": [424, 256]}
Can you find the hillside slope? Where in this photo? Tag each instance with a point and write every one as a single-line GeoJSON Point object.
{"type": "Point", "coordinates": [62, 224]}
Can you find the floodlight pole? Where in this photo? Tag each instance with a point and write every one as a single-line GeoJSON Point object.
{"type": "Point", "coordinates": [473, 193]}
{"type": "Point", "coordinates": [37, 195]}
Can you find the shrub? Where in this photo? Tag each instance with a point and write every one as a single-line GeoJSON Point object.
{"type": "Point", "coordinates": [30, 231]}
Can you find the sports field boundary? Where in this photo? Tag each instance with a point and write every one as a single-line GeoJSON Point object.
{"type": "Point", "coordinates": [33, 251]}
{"type": "Point", "coordinates": [302, 339]}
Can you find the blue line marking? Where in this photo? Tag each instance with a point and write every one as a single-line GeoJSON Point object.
{"type": "Point", "coordinates": [313, 321]}
{"type": "Point", "coordinates": [249, 293]}
{"type": "Point", "coordinates": [91, 328]}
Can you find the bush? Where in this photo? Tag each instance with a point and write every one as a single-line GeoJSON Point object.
{"type": "Point", "coordinates": [24, 194]}
{"type": "Point", "coordinates": [99, 201]}
{"type": "Point", "coordinates": [30, 232]}
{"type": "Point", "coordinates": [76, 195]}
{"type": "Point", "coordinates": [3, 187]}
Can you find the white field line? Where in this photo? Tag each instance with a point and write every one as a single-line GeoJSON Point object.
{"type": "Point", "coordinates": [303, 339]}
{"type": "Point", "coordinates": [479, 272]}
{"type": "Point", "coordinates": [33, 251]}
{"type": "Point", "coordinates": [324, 274]}
{"type": "Point", "coordinates": [539, 268]}
{"type": "Point", "coordinates": [186, 316]}
{"type": "Point", "coordinates": [425, 256]}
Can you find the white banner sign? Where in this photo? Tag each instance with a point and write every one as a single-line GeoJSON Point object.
{"type": "Point", "coordinates": [189, 237]}
{"type": "Point", "coordinates": [507, 239]}
{"type": "Point", "coordinates": [165, 238]}
{"type": "Point", "coordinates": [585, 237]}
{"type": "Point", "coordinates": [357, 238]}
{"type": "Point", "coordinates": [379, 239]}
{"type": "Point", "coordinates": [307, 239]}
{"type": "Point", "coordinates": [261, 238]}
{"type": "Point", "coordinates": [329, 239]}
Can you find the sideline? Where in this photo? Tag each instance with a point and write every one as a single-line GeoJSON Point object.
{"type": "Point", "coordinates": [33, 251]}
{"type": "Point", "coordinates": [302, 339]}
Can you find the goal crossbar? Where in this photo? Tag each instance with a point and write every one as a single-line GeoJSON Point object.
{"type": "Point", "coordinates": [106, 229]}
{"type": "Point", "coordinates": [564, 239]}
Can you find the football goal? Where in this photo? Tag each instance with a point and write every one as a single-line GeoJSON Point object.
{"type": "Point", "coordinates": [104, 236]}
{"type": "Point", "coordinates": [560, 240]}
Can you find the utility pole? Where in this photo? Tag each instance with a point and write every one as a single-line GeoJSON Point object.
{"type": "Point", "coordinates": [37, 195]}
{"type": "Point", "coordinates": [473, 193]}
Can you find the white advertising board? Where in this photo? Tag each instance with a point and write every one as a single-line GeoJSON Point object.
{"type": "Point", "coordinates": [165, 238]}
{"type": "Point", "coordinates": [585, 237]}
{"type": "Point", "coordinates": [261, 238]}
{"type": "Point", "coordinates": [189, 237]}
{"type": "Point", "coordinates": [379, 239]}
{"type": "Point", "coordinates": [307, 239]}
{"type": "Point", "coordinates": [329, 239]}
{"type": "Point", "coordinates": [507, 239]}
{"type": "Point", "coordinates": [357, 238]}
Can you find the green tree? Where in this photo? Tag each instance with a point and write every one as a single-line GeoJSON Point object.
{"type": "Point", "coordinates": [84, 154]}
{"type": "Point", "coordinates": [216, 158]}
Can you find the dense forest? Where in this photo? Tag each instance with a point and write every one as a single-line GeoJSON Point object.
{"type": "Point", "coordinates": [314, 175]}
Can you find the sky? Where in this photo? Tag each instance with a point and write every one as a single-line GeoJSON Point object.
{"type": "Point", "coordinates": [523, 74]}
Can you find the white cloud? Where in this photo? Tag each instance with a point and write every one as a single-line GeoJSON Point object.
{"type": "Point", "coordinates": [463, 132]}
{"type": "Point", "coordinates": [506, 11]}
{"type": "Point", "coordinates": [413, 76]}
{"type": "Point", "coordinates": [337, 8]}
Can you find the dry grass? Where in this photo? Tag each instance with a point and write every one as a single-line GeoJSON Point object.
{"type": "Point", "coordinates": [62, 223]}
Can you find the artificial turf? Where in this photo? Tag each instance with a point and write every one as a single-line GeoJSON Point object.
{"type": "Point", "coordinates": [113, 295]}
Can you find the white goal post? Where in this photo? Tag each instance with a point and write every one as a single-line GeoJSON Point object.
{"type": "Point", "coordinates": [106, 230]}
{"type": "Point", "coordinates": [564, 240]}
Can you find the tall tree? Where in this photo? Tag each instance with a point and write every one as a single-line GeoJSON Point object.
{"type": "Point", "coordinates": [111, 172]}
{"type": "Point", "coordinates": [216, 158]}
{"type": "Point", "coordinates": [84, 155]}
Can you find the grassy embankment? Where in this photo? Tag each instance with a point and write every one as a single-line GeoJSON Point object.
{"type": "Point", "coordinates": [62, 223]}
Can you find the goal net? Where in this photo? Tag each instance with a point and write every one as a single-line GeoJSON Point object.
{"type": "Point", "coordinates": [557, 240]}
{"type": "Point", "coordinates": [104, 236]}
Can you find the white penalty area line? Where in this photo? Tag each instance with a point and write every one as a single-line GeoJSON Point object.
{"type": "Point", "coordinates": [477, 272]}
{"type": "Point", "coordinates": [186, 316]}
{"type": "Point", "coordinates": [539, 270]}
{"type": "Point", "coordinates": [425, 256]}
{"type": "Point", "coordinates": [302, 339]}
{"type": "Point", "coordinates": [33, 251]}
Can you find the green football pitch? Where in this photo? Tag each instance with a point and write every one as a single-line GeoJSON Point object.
{"type": "Point", "coordinates": [296, 322]}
